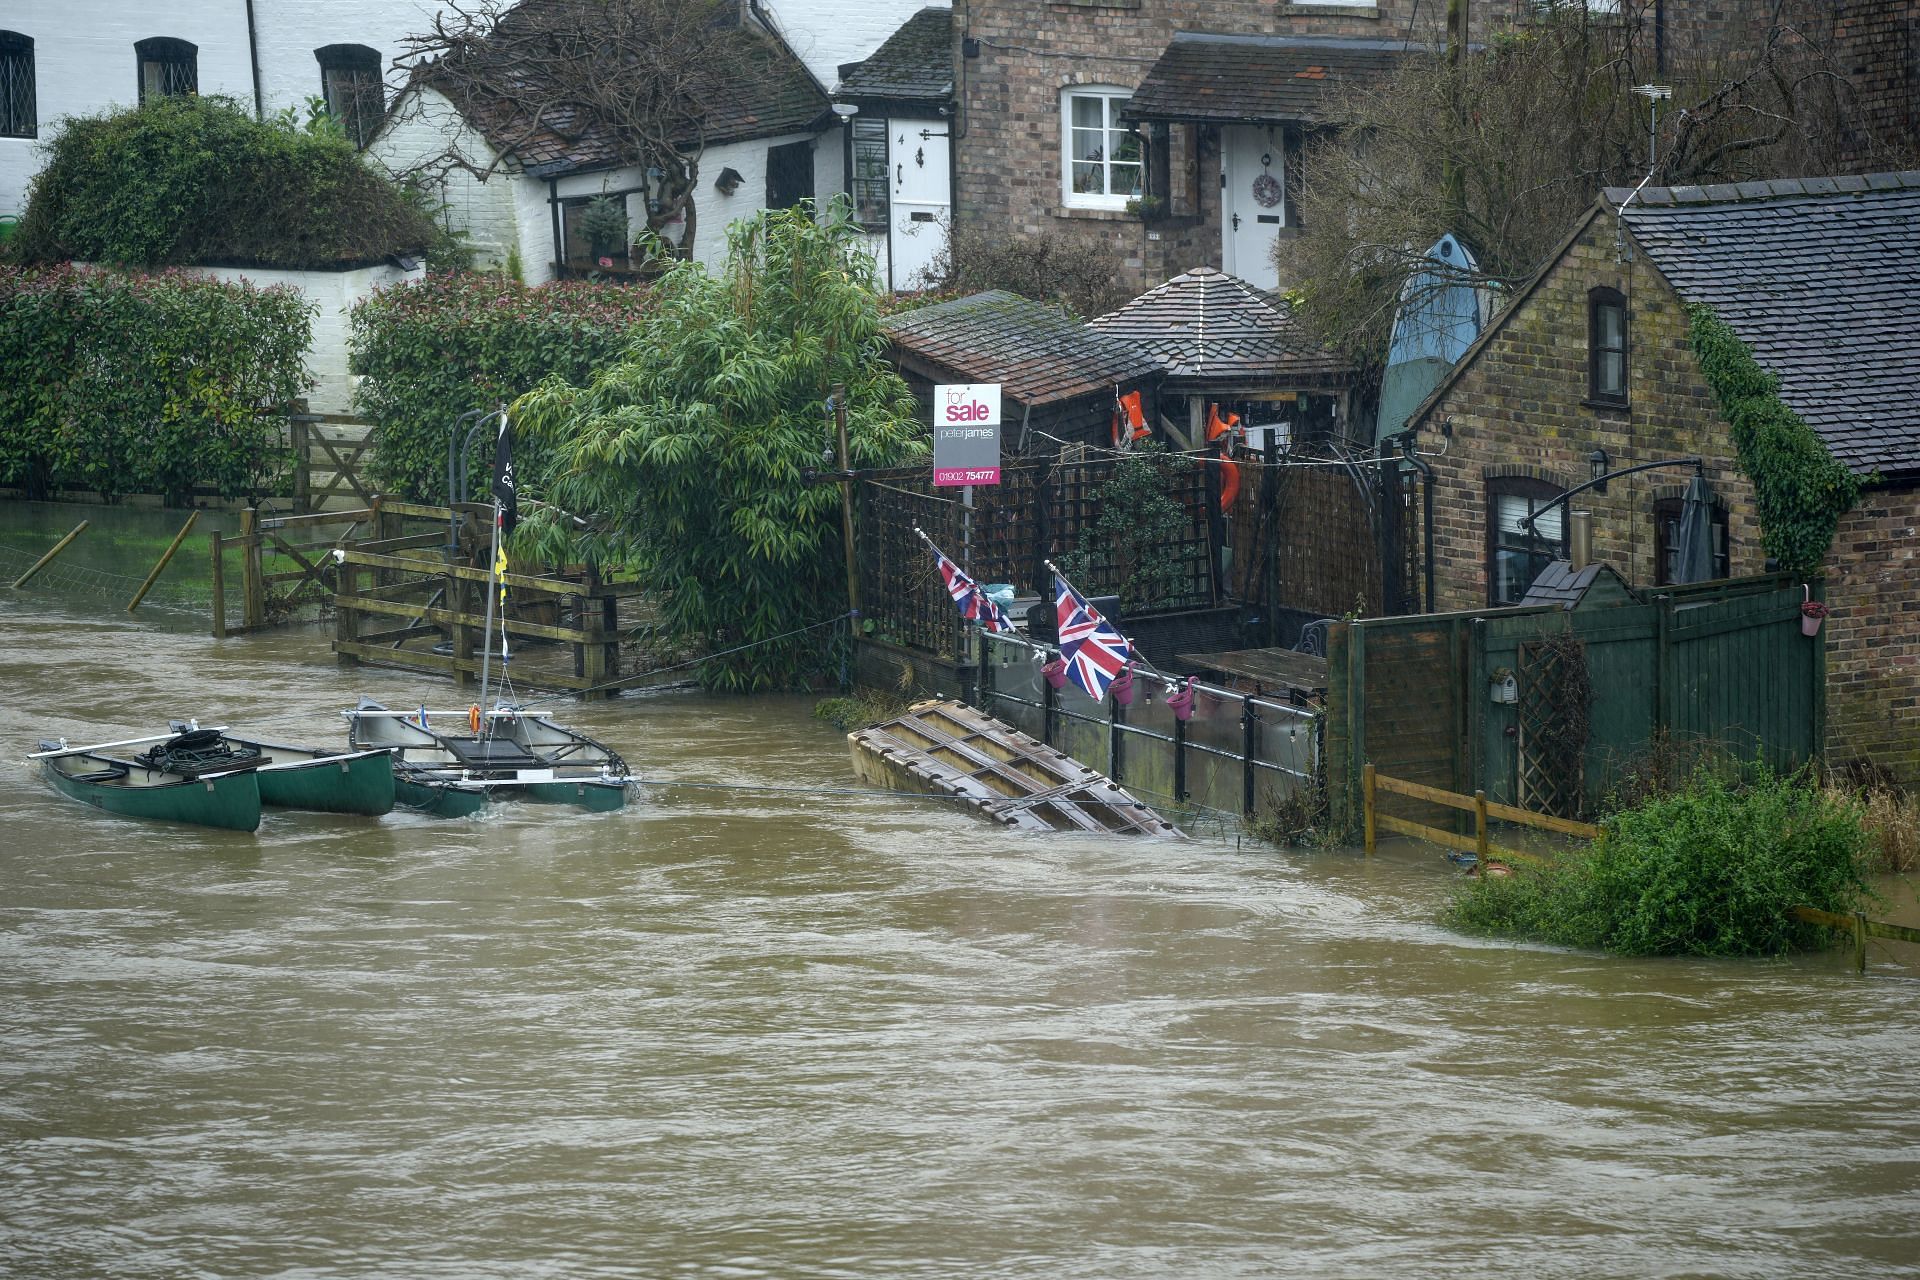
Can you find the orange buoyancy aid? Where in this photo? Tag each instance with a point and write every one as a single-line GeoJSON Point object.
{"type": "Point", "coordinates": [1217, 425]}
{"type": "Point", "coordinates": [1129, 419]}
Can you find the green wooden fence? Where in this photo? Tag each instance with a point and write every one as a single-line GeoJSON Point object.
{"type": "Point", "coordinates": [1720, 666]}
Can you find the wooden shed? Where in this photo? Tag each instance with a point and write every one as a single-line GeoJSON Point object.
{"type": "Point", "coordinates": [1059, 378]}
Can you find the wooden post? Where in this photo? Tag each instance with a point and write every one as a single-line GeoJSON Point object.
{"type": "Point", "coordinates": [165, 557]}
{"type": "Point", "coordinates": [1859, 943]}
{"type": "Point", "coordinates": [1480, 826]}
{"type": "Point", "coordinates": [591, 653]}
{"type": "Point", "coordinates": [346, 622]}
{"type": "Point", "coordinates": [302, 466]}
{"type": "Point", "coordinates": [846, 494]}
{"type": "Point", "coordinates": [1366, 801]}
{"type": "Point", "coordinates": [253, 581]}
{"type": "Point", "coordinates": [459, 602]}
{"type": "Point", "coordinates": [219, 586]}
{"type": "Point", "coordinates": [47, 559]}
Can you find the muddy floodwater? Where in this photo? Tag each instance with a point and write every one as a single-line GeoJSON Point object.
{"type": "Point", "coordinates": [773, 1029]}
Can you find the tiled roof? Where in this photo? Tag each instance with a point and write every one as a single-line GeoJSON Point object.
{"type": "Point", "coordinates": [1035, 352]}
{"type": "Point", "coordinates": [1257, 78]}
{"type": "Point", "coordinates": [1560, 583]}
{"type": "Point", "coordinates": [766, 91]}
{"type": "Point", "coordinates": [1821, 278]}
{"type": "Point", "coordinates": [915, 63]}
{"type": "Point", "coordinates": [1206, 324]}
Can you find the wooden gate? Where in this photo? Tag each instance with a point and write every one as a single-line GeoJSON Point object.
{"type": "Point", "coordinates": [329, 451]}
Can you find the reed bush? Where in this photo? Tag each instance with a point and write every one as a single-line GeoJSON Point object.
{"type": "Point", "coordinates": [1710, 869]}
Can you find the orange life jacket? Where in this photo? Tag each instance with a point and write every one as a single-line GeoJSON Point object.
{"type": "Point", "coordinates": [1229, 483]}
{"type": "Point", "coordinates": [1218, 426]}
{"type": "Point", "coordinates": [1128, 407]}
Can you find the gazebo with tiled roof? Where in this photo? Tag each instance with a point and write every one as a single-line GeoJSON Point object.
{"type": "Point", "coordinates": [1217, 339]}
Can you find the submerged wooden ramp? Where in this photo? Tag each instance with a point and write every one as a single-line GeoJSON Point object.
{"type": "Point", "coordinates": [949, 749]}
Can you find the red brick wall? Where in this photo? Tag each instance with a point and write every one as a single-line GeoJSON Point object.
{"type": "Point", "coordinates": [1520, 409]}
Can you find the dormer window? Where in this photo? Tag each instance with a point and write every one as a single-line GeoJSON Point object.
{"type": "Point", "coordinates": [1607, 347]}
{"type": "Point", "coordinates": [167, 67]}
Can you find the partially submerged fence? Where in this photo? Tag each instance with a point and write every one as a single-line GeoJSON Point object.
{"type": "Point", "coordinates": [1236, 754]}
{"type": "Point", "coordinates": [1484, 812]}
{"type": "Point", "coordinates": [274, 565]}
{"type": "Point", "coordinates": [414, 600]}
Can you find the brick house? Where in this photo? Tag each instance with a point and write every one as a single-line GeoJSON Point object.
{"type": "Point", "coordinates": [1589, 369]}
{"type": "Point", "coordinates": [1171, 130]}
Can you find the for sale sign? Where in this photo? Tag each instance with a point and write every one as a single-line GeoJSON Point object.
{"type": "Point", "coordinates": [966, 433]}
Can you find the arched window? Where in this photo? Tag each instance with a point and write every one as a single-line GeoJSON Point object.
{"type": "Point", "coordinates": [350, 83]}
{"type": "Point", "coordinates": [19, 111]}
{"type": "Point", "coordinates": [167, 67]}
{"type": "Point", "coordinates": [1515, 554]}
{"type": "Point", "coordinates": [1101, 160]}
{"type": "Point", "coordinates": [1607, 346]}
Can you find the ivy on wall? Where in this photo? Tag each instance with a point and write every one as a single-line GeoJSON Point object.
{"type": "Point", "coordinates": [1800, 489]}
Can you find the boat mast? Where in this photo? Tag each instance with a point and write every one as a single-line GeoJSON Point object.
{"type": "Point", "coordinates": [493, 589]}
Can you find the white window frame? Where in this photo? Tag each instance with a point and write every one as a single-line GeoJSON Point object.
{"type": "Point", "coordinates": [1112, 98]}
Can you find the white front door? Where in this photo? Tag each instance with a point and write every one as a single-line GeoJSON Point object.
{"type": "Point", "coordinates": [1253, 202]}
{"type": "Point", "coordinates": [922, 199]}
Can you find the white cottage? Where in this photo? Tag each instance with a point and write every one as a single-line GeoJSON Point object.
{"type": "Point", "coordinates": [519, 166]}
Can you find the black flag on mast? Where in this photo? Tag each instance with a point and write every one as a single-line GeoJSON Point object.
{"type": "Point", "coordinates": [503, 488]}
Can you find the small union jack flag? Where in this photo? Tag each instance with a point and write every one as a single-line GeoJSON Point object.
{"type": "Point", "coordinates": [1095, 653]}
{"type": "Point", "coordinates": [974, 604]}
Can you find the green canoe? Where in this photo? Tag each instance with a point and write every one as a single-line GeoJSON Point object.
{"type": "Point", "coordinates": [126, 787]}
{"type": "Point", "coordinates": [326, 781]}
{"type": "Point", "coordinates": [427, 794]}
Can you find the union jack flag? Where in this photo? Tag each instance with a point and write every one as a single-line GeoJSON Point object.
{"type": "Point", "coordinates": [1094, 652]}
{"type": "Point", "coordinates": [975, 605]}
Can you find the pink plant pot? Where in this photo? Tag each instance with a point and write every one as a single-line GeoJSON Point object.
{"type": "Point", "coordinates": [1055, 672]}
{"type": "Point", "coordinates": [1122, 687]}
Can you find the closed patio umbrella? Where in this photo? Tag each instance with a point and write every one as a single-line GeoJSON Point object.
{"type": "Point", "coordinates": [1693, 537]}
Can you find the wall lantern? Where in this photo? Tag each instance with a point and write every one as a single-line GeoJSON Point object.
{"type": "Point", "coordinates": [846, 110]}
{"type": "Point", "coordinates": [1599, 462]}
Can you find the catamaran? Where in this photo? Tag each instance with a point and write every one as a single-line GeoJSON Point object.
{"type": "Point", "coordinates": [452, 763]}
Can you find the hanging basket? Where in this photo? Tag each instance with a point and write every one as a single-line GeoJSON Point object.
{"type": "Point", "coordinates": [1812, 613]}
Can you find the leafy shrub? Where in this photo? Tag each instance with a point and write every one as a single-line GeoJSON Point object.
{"type": "Point", "coordinates": [1708, 870]}
{"type": "Point", "coordinates": [689, 454]}
{"type": "Point", "coordinates": [1135, 544]}
{"type": "Point", "coordinates": [433, 350]}
{"type": "Point", "coordinates": [145, 383]}
{"type": "Point", "coordinates": [185, 179]}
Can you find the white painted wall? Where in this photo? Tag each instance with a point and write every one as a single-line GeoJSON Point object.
{"type": "Point", "coordinates": [84, 63]}
{"type": "Point", "coordinates": [333, 294]}
{"type": "Point", "coordinates": [826, 33]}
{"type": "Point", "coordinates": [425, 126]}
{"type": "Point", "coordinates": [290, 30]}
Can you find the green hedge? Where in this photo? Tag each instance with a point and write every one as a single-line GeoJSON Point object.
{"type": "Point", "coordinates": [433, 350]}
{"type": "Point", "coordinates": [145, 383]}
{"type": "Point", "coordinates": [185, 179]}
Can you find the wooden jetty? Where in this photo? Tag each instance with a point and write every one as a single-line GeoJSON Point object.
{"type": "Point", "coordinates": [949, 749]}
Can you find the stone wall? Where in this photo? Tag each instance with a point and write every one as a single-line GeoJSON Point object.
{"type": "Point", "coordinates": [1521, 409]}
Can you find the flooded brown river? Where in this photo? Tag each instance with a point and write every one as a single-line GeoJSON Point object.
{"type": "Point", "coordinates": [798, 1033]}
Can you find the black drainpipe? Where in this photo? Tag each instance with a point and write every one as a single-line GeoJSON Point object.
{"type": "Point", "coordinates": [253, 56]}
{"type": "Point", "coordinates": [553, 211]}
